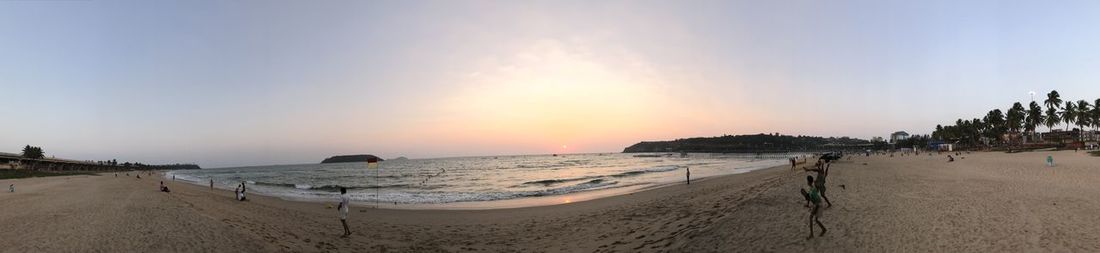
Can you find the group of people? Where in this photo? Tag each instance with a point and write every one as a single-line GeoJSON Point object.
{"type": "Point", "coordinates": [343, 207]}
{"type": "Point", "coordinates": [815, 194]}
{"type": "Point", "coordinates": [239, 192]}
{"type": "Point", "coordinates": [795, 162]}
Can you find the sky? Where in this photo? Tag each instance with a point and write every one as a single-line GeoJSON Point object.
{"type": "Point", "coordinates": [236, 83]}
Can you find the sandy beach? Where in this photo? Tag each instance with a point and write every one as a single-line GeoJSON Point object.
{"type": "Point", "coordinates": [983, 202]}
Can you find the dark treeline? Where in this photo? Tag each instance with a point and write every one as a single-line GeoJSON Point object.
{"type": "Point", "coordinates": [32, 152]}
{"type": "Point", "coordinates": [1018, 124]}
{"type": "Point", "coordinates": [758, 143]}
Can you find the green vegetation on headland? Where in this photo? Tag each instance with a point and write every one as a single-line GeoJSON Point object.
{"type": "Point", "coordinates": [758, 143]}
{"type": "Point", "coordinates": [351, 158]}
{"type": "Point", "coordinates": [12, 174]}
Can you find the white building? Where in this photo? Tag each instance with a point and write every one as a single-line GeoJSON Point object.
{"type": "Point", "coordinates": [897, 136]}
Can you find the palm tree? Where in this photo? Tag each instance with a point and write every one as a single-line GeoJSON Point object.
{"type": "Point", "coordinates": [1069, 115]}
{"type": "Point", "coordinates": [1083, 115]}
{"type": "Point", "coordinates": [1053, 99]}
{"type": "Point", "coordinates": [1015, 118]}
{"type": "Point", "coordinates": [1034, 117]}
{"type": "Point", "coordinates": [995, 124]}
{"type": "Point", "coordinates": [1052, 118]}
{"type": "Point", "coordinates": [1096, 113]}
{"type": "Point", "coordinates": [938, 134]}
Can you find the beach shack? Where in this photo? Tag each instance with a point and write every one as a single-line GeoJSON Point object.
{"type": "Point", "coordinates": [9, 161]}
{"type": "Point", "coordinates": [941, 146]}
{"type": "Point", "coordinates": [898, 136]}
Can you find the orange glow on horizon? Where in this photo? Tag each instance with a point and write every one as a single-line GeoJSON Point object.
{"type": "Point", "coordinates": [556, 92]}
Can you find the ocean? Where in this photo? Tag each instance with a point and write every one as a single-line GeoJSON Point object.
{"type": "Point", "coordinates": [479, 182]}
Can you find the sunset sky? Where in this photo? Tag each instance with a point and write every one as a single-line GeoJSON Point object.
{"type": "Point", "coordinates": [231, 83]}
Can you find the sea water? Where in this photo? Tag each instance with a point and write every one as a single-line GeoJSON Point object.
{"type": "Point", "coordinates": [479, 182]}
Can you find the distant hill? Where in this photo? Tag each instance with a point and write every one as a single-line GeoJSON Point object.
{"type": "Point", "coordinates": [351, 158]}
{"type": "Point", "coordinates": [759, 143]}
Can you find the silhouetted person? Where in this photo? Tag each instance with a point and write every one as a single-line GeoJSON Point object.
{"type": "Point", "coordinates": [688, 175]}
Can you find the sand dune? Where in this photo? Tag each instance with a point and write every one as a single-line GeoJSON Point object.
{"type": "Point", "coordinates": [985, 202]}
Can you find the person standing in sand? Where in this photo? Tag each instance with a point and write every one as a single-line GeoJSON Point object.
{"type": "Point", "coordinates": [211, 184]}
{"type": "Point", "coordinates": [343, 208]}
{"type": "Point", "coordinates": [688, 175]}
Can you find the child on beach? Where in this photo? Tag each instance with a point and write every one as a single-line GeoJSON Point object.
{"type": "Point", "coordinates": [822, 172]}
{"type": "Point", "coordinates": [814, 197]}
{"type": "Point", "coordinates": [1050, 161]}
{"type": "Point", "coordinates": [11, 188]}
{"type": "Point", "coordinates": [344, 202]}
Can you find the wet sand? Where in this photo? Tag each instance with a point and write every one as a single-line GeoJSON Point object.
{"type": "Point", "coordinates": [984, 202]}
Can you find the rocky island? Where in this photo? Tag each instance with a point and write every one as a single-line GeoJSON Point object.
{"type": "Point", "coordinates": [351, 158]}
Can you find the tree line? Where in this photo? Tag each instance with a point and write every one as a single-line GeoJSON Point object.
{"type": "Point", "coordinates": [32, 152]}
{"type": "Point", "coordinates": [772, 142]}
{"type": "Point", "coordinates": [1019, 123]}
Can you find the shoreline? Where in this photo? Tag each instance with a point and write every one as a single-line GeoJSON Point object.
{"type": "Point", "coordinates": [522, 202]}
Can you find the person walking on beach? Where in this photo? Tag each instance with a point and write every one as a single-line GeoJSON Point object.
{"type": "Point", "coordinates": [1050, 161]}
{"type": "Point", "coordinates": [813, 196]}
{"type": "Point", "coordinates": [343, 208]}
{"type": "Point", "coordinates": [211, 184]}
{"type": "Point", "coordinates": [819, 184]}
{"type": "Point", "coordinates": [11, 188]}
